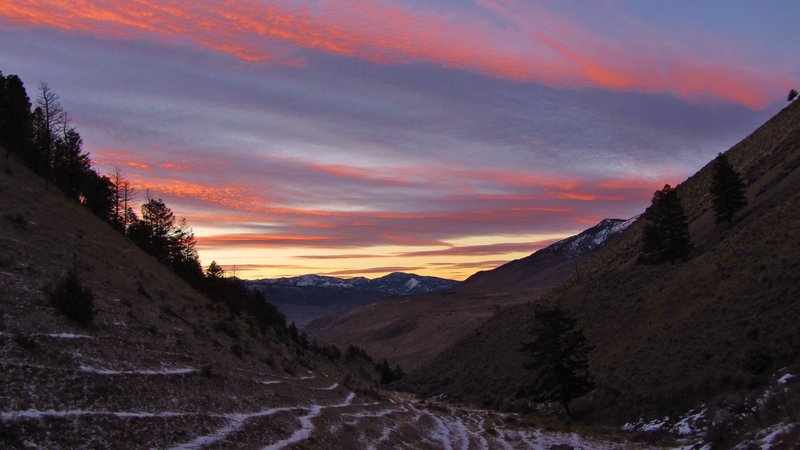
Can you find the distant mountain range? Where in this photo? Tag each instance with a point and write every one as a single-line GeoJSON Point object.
{"type": "Point", "coordinates": [308, 297]}
{"type": "Point", "coordinates": [397, 283]}
{"type": "Point", "coordinates": [411, 330]}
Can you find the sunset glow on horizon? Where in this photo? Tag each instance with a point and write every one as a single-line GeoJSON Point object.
{"type": "Point", "coordinates": [358, 138]}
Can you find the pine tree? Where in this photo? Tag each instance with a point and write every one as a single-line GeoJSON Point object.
{"type": "Point", "coordinates": [16, 132]}
{"type": "Point", "coordinates": [294, 334]}
{"type": "Point", "coordinates": [666, 231]}
{"type": "Point", "coordinates": [792, 95]}
{"type": "Point", "coordinates": [214, 271]}
{"type": "Point", "coordinates": [153, 231]}
{"type": "Point", "coordinates": [558, 358]}
{"type": "Point", "coordinates": [727, 189]}
{"type": "Point", "coordinates": [70, 164]}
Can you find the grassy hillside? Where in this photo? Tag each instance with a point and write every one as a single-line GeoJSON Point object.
{"type": "Point", "coordinates": [668, 337]}
{"type": "Point", "coordinates": [411, 331]}
{"type": "Point", "coordinates": [163, 367]}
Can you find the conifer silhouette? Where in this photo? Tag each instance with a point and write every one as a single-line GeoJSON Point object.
{"type": "Point", "coordinates": [666, 231]}
{"type": "Point", "coordinates": [727, 189]}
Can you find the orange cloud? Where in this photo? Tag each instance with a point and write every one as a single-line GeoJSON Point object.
{"type": "Point", "coordinates": [557, 53]}
{"type": "Point", "coordinates": [231, 196]}
{"type": "Point", "coordinates": [261, 240]}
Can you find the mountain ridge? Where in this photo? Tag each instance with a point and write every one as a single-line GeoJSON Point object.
{"type": "Point", "coordinates": [305, 298]}
{"type": "Point", "coordinates": [395, 283]}
{"type": "Point", "coordinates": [411, 330]}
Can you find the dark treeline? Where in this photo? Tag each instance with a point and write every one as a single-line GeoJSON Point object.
{"type": "Point", "coordinates": [42, 137]}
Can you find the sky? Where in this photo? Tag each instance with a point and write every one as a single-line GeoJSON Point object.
{"type": "Point", "coordinates": [441, 137]}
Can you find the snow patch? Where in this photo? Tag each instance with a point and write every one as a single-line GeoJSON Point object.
{"type": "Point", "coordinates": [38, 414]}
{"type": "Point", "coordinates": [689, 424]}
{"type": "Point", "coordinates": [441, 433]}
{"type": "Point", "coordinates": [641, 425]}
{"type": "Point", "coordinates": [306, 425]}
{"type": "Point", "coordinates": [785, 379]}
{"type": "Point", "coordinates": [329, 388]}
{"type": "Point", "coordinates": [175, 371]}
{"type": "Point", "coordinates": [235, 422]}
{"type": "Point", "coordinates": [411, 283]}
{"type": "Point", "coordinates": [68, 336]}
{"type": "Point", "coordinates": [772, 433]}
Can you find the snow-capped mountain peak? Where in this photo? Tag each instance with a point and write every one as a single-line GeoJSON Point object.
{"type": "Point", "coordinates": [397, 283]}
{"type": "Point", "coordinates": [589, 240]}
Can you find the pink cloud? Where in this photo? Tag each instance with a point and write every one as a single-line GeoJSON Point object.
{"type": "Point", "coordinates": [529, 43]}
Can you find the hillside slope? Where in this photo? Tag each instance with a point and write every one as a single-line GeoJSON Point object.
{"type": "Point", "coordinates": [410, 331]}
{"type": "Point", "coordinates": [548, 266]}
{"type": "Point", "coordinates": [668, 337]}
{"type": "Point", "coordinates": [162, 367]}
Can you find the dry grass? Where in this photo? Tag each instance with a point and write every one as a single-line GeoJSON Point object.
{"type": "Point", "coordinates": [668, 337]}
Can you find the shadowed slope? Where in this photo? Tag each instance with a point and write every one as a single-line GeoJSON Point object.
{"type": "Point", "coordinates": [410, 331]}
{"type": "Point", "coordinates": [162, 367]}
{"type": "Point", "coordinates": [668, 337]}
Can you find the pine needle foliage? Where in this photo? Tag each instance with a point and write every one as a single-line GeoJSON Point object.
{"type": "Point", "coordinates": [666, 231]}
{"type": "Point", "coordinates": [558, 358]}
{"type": "Point", "coordinates": [727, 190]}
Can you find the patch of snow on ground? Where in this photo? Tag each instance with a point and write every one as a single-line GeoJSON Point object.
{"type": "Point", "coordinates": [329, 388]}
{"type": "Point", "coordinates": [387, 431]}
{"type": "Point", "coordinates": [441, 433]}
{"type": "Point", "coordinates": [68, 336]}
{"type": "Point", "coordinates": [235, 422]}
{"type": "Point", "coordinates": [501, 439]}
{"type": "Point", "coordinates": [461, 432]}
{"type": "Point", "coordinates": [310, 376]}
{"type": "Point", "coordinates": [176, 371]}
{"type": "Point", "coordinates": [773, 433]}
{"type": "Point", "coordinates": [641, 425]}
{"type": "Point", "coordinates": [37, 414]}
{"type": "Point", "coordinates": [785, 379]}
{"type": "Point", "coordinates": [689, 424]}
{"type": "Point", "coordinates": [411, 284]}
{"type": "Point", "coordinates": [306, 425]}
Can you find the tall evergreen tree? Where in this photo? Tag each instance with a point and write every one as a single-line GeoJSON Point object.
{"type": "Point", "coordinates": [70, 164]}
{"type": "Point", "coordinates": [97, 194]}
{"type": "Point", "coordinates": [182, 256]}
{"type": "Point", "coordinates": [666, 231]}
{"type": "Point", "coordinates": [558, 358]}
{"type": "Point", "coordinates": [214, 271]}
{"type": "Point", "coordinates": [727, 190]}
{"type": "Point", "coordinates": [156, 226]}
{"type": "Point", "coordinates": [16, 132]}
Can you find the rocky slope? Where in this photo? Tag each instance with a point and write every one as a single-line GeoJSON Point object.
{"type": "Point", "coordinates": [410, 331]}
{"type": "Point", "coordinates": [714, 329]}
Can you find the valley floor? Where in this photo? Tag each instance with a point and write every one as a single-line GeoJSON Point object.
{"type": "Point", "coordinates": [166, 406]}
